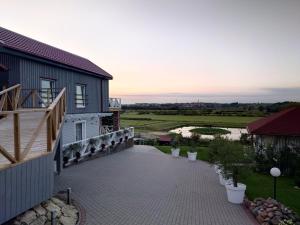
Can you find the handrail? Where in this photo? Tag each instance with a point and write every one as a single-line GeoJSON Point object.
{"type": "Point", "coordinates": [52, 119]}
{"type": "Point", "coordinates": [9, 89]}
{"type": "Point", "coordinates": [53, 104]}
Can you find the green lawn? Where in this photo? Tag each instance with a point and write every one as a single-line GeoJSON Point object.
{"type": "Point", "coordinates": [210, 131]}
{"type": "Point", "coordinates": [258, 185]}
{"type": "Point", "coordinates": [151, 122]}
{"type": "Point", "coordinates": [202, 152]}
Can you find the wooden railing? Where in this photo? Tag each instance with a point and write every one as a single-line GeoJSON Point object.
{"type": "Point", "coordinates": [115, 103]}
{"type": "Point", "coordinates": [9, 98]}
{"type": "Point", "coordinates": [52, 117]}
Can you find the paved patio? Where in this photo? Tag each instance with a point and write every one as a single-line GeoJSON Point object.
{"type": "Point", "coordinates": [142, 186]}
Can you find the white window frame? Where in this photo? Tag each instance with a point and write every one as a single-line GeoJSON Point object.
{"type": "Point", "coordinates": [83, 97]}
{"type": "Point", "coordinates": [83, 122]}
{"type": "Point", "coordinates": [52, 97]}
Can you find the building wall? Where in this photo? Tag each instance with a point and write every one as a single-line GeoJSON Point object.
{"type": "Point", "coordinates": [13, 73]}
{"type": "Point", "coordinates": [278, 142]}
{"type": "Point", "coordinates": [32, 71]}
{"type": "Point", "coordinates": [25, 185]}
{"type": "Point", "coordinates": [92, 126]}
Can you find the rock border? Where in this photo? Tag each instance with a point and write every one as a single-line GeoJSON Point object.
{"type": "Point", "coordinates": [270, 212]}
{"type": "Point", "coordinates": [40, 214]}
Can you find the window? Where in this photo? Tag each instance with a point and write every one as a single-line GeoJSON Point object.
{"type": "Point", "coordinates": [80, 131]}
{"type": "Point", "coordinates": [47, 91]}
{"type": "Point", "coordinates": [80, 99]}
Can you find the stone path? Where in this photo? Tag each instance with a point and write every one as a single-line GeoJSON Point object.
{"type": "Point", "coordinates": [142, 186]}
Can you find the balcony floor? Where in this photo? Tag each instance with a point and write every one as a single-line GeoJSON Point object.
{"type": "Point", "coordinates": [28, 124]}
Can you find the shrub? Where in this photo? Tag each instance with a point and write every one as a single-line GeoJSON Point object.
{"type": "Point", "coordinates": [234, 158]}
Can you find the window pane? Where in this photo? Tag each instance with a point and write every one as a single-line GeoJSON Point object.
{"type": "Point", "coordinates": [80, 96]}
{"type": "Point", "coordinates": [47, 91]}
{"type": "Point", "coordinates": [79, 131]}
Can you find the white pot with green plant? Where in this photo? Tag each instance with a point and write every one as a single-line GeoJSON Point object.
{"type": "Point", "coordinates": [234, 159]}
{"type": "Point", "coordinates": [192, 154]}
{"type": "Point", "coordinates": [175, 146]}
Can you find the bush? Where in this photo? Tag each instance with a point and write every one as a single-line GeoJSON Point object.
{"type": "Point", "coordinates": [234, 158]}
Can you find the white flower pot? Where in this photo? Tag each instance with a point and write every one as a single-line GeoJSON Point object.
{"type": "Point", "coordinates": [221, 178]}
{"type": "Point", "coordinates": [235, 194]}
{"type": "Point", "coordinates": [192, 156]}
{"type": "Point", "coordinates": [175, 152]}
{"type": "Point", "coordinates": [216, 167]}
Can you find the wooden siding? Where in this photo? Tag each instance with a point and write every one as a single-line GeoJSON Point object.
{"type": "Point", "coordinates": [25, 185]}
{"type": "Point", "coordinates": [12, 75]}
{"type": "Point", "coordinates": [31, 72]}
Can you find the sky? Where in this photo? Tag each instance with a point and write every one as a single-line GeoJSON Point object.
{"type": "Point", "coordinates": [175, 50]}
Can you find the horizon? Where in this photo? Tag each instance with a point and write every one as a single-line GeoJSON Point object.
{"type": "Point", "coordinates": [178, 51]}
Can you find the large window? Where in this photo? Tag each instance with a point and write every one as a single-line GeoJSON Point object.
{"type": "Point", "coordinates": [47, 91]}
{"type": "Point", "coordinates": [80, 96]}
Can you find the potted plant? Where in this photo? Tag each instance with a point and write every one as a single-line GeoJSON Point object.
{"type": "Point", "coordinates": [126, 132]}
{"type": "Point", "coordinates": [235, 160]}
{"type": "Point", "coordinates": [75, 148]}
{"type": "Point", "coordinates": [66, 156]}
{"type": "Point", "coordinates": [119, 135]}
{"type": "Point", "coordinates": [92, 143]}
{"type": "Point", "coordinates": [175, 146]}
{"type": "Point", "coordinates": [104, 139]}
{"type": "Point", "coordinates": [192, 154]}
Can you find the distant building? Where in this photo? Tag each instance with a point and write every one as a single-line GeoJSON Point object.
{"type": "Point", "coordinates": [164, 140]}
{"type": "Point", "coordinates": [280, 130]}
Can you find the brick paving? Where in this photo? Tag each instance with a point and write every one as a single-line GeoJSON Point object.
{"type": "Point", "coordinates": [142, 186]}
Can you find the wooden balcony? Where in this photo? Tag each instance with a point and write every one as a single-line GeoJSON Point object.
{"type": "Point", "coordinates": [115, 104]}
{"type": "Point", "coordinates": [28, 132]}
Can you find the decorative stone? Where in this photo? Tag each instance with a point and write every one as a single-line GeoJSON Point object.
{"type": "Point", "coordinates": [40, 211]}
{"type": "Point", "coordinates": [39, 221]}
{"type": "Point", "coordinates": [58, 202]}
{"type": "Point", "coordinates": [69, 211]}
{"type": "Point", "coordinates": [275, 220]}
{"type": "Point", "coordinates": [28, 217]}
{"type": "Point", "coordinates": [65, 220]}
{"type": "Point", "coordinates": [52, 207]}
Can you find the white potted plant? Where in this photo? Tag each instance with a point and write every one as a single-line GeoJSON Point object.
{"type": "Point", "coordinates": [192, 154]}
{"type": "Point", "coordinates": [234, 160]}
{"type": "Point", "coordinates": [175, 146]}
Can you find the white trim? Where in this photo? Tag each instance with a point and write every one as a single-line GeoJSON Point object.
{"type": "Point", "coordinates": [83, 129]}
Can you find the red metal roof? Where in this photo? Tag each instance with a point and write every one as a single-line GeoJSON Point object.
{"type": "Point", "coordinates": [285, 123]}
{"type": "Point", "coordinates": [15, 41]}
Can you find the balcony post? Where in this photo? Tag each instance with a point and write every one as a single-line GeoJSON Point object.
{"type": "Point", "coordinates": [17, 139]}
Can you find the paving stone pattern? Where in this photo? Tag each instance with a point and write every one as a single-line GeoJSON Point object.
{"type": "Point", "coordinates": [142, 186]}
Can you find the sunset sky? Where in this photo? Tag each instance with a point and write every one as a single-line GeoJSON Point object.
{"type": "Point", "coordinates": [171, 50]}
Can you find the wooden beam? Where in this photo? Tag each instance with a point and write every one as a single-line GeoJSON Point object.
{"type": "Point", "coordinates": [2, 101]}
{"type": "Point", "coordinates": [16, 97]}
{"type": "Point", "coordinates": [7, 155]}
{"type": "Point", "coordinates": [33, 137]}
{"type": "Point", "coordinates": [17, 139]}
{"type": "Point", "coordinates": [25, 98]}
{"type": "Point", "coordinates": [56, 100]}
{"type": "Point", "coordinates": [9, 89]}
{"type": "Point", "coordinates": [49, 134]}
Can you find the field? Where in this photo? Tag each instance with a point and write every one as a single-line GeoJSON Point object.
{"type": "Point", "coordinates": [151, 122]}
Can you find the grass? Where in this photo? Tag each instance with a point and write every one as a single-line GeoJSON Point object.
{"type": "Point", "coordinates": [258, 185]}
{"type": "Point", "coordinates": [202, 152]}
{"type": "Point", "coordinates": [210, 131]}
{"type": "Point", "coordinates": [151, 122]}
